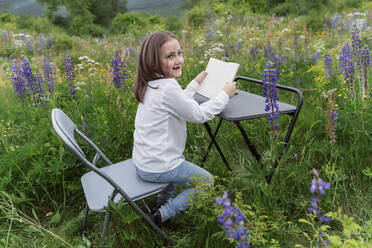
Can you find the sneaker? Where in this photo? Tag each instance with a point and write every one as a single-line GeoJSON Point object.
{"type": "Point", "coordinates": [156, 217]}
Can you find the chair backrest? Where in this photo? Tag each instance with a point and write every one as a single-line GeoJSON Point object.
{"type": "Point", "coordinates": [65, 128]}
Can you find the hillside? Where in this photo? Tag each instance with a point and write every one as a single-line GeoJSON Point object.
{"type": "Point", "coordinates": [161, 7]}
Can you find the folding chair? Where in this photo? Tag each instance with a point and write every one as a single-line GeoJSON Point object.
{"type": "Point", "coordinates": [247, 106]}
{"type": "Point", "coordinates": [110, 183]}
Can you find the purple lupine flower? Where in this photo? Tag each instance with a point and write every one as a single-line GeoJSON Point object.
{"type": "Point", "coordinates": [318, 187]}
{"type": "Point", "coordinates": [36, 46]}
{"type": "Point", "coordinates": [335, 21]}
{"type": "Point", "coordinates": [363, 75]}
{"type": "Point", "coordinates": [38, 86]}
{"type": "Point", "coordinates": [348, 25]}
{"type": "Point", "coordinates": [347, 67]}
{"type": "Point", "coordinates": [28, 76]}
{"type": "Point", "coordinates": [342, 27]}
{"type": "Point", "coordinates": [253, 51]}
{"type": "Point", "coordinates": [18, 81]}
{"type": "Point", "coordinates": [269, 52]}
{"type": "Point", "coordinates": [328, 66]}
{"type": "Point", "coordinates": [269, 92]}
{"type": "Point", "coordinates": [5, 37]}
{"type": "Point", "coordinates": [226, 55]}
{"type": "Point", "coordinates": [328, 21]}
{"type": "Point", "coordinates": [42, 42]}
{"type": "Point", "coordinates": [355, 43]}
{"type": "Point", "coordinates": [48, 76]}
{"type": "Point", "coordinates": [84, 126]}
{"type": "Point", "coordinates": [70, 75]}
{"type": "Point", "coordinates": [316, 56]}
{"type": "Point", "coordinates": [232, 221]}
{"type": "Point", "coordinates": [239, 43]}
{"type": "Point", "coordinates": [118, 69]}
{"type": "Point", "coordinates": [50, 41]}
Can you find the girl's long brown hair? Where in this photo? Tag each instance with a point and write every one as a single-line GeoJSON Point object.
{"type": "Point", "coordinates": [148, 68]}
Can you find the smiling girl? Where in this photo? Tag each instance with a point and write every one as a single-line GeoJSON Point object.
{"type": "Point", "coordinates": [160, 125]}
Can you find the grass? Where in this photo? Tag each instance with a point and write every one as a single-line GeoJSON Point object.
{"type": "Point", "coordinates": [41, 200]}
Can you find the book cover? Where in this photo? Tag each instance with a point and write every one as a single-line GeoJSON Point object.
{"type": "Point", "coordinates": [219, 73]}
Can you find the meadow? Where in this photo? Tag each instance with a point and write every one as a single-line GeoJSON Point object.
{"type": "Point", "coordinates": [320, 194]}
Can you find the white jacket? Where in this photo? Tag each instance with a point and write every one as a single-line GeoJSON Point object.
{"type": "Point", "coordinates": [160, 125]}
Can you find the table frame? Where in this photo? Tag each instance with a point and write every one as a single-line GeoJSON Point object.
{"type": "Point", "coordinates": [252, 148]}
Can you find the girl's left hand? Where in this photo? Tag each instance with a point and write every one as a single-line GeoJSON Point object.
{"type": "Point", "coordinates": [199, 78]}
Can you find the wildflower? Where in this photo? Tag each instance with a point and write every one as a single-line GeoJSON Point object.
{"type": "Point", "coordinates": [328, 66]}
{"type": "Point", "coordinates": [316, 57]}
{"type": "Point", "coordinates": [363, 74]}
{"type": "Point", "coordinates": [328, 21]}
{"type": "Point", "coordinates": [348, 25]}
{"type": "Point", "coordinates": [239, 44]}
{"type": "Point", "coordinates": [42, 42]}
{"type": "Point", "coordinates": [48, 75]}
{"type": "Point", "coordinates": [118, 69]}
{"type": "Point", "coordinates": [232, 221]}
{"type": "Point", "coordinates": [18, 81]}
{"type": "Point", "coordinates": [318, 187]}
{"type": "Point", "coordinates": [347, 67]}
{"type": "Point", "coordinates": [5, 37]}
{"type": "Point", "coordinates": [355, 41]}
{"type": "Point", "coordinates": [50, 41]}
{"type": "Point", "coordinates": [335, 21]}
{"type": "Point", "coordinates": [70, 75]}
{"type": "Point", "coordinates": [29, 46]}
{"type": "Point", "coordinates": [84, 126]}
{"type": "Point", "coordinates": [269, 92]}
{"type": "Point", "coordinates": [27, 74]}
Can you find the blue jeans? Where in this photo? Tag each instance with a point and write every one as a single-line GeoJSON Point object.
{"type": "Point", "coordinates": [181, 175]}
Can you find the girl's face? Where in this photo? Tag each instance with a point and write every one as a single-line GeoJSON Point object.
{"type": "Point", "coordinates": [171, 59]}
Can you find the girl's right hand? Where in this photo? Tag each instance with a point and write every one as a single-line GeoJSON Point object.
{"type": "Point", "coordinates": [230, 88]}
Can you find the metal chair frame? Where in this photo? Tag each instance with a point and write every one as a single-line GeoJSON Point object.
{"type": "Point", "coordinates": [67, 136]}
{"type": "Point", "coordinates": [294, 111]}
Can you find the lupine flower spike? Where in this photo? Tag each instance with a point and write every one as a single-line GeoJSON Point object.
{"type": "Point", "coordinates": [70, 75]}
{"type": "Point", "coordinates": [347, 67]}
{"type": "Point", "coordinates": [118, 69]}
{"type": "Point", "coordinates": [269, 92]}
{"type": "Point", "coordinates": [232, 221]}
{"type": "Point", "coordinates": [18, 81]}
{"type": "Point", "coordinates": [318, 188]}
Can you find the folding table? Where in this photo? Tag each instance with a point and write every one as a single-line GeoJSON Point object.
{"type": "Point", "coordinates": [247, 106]}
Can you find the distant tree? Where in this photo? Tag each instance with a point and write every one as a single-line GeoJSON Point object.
{"type": "Point", "coordinates": [102, 11]}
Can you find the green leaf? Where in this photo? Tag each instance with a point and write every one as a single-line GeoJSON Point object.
{"type": "Point", "coordinates": [56, 218]}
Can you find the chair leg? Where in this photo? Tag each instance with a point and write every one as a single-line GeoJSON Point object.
{"type": "Point", "coordinates": [209, 130]}
{"type": "Point", "coordinates": [86, 210]}
{"type": "Point", "coordinates": [105, 226]}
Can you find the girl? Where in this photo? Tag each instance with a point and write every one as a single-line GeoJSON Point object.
{"type": "Point", "coordinates": [160, 125]}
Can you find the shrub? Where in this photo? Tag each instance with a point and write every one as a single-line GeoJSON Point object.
{"type": "Point", "coordinates": [124, 22]}
{"type": "Point", "coordinates": [196, 16]}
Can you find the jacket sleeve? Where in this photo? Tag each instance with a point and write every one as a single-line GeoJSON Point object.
{"type": "Point", "coordinates": [191, 88]}
{"type": "Point", "coordinates": [179, 103]}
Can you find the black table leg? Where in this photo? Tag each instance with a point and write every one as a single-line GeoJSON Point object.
{"type": "Point", "coordinates": [213, 141]}
{"type": "Point", "coordinates": [250, 145]}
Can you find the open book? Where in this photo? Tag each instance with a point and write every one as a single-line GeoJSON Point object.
{"type": "Point", "coordinates": [219, 73]}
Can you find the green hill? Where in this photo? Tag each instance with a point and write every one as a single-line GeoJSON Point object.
{"type": "Point", "coordinates": [33, 8]}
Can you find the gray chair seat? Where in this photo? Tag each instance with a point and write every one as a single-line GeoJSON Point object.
{"type": "Point", "coordinates": [98, 191]}
{"type": "Point", "coordinates": [245, 106]}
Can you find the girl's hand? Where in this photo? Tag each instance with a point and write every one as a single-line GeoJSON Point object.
{"type": "Point", "coordinates": [230, 89]}
{"type": "Point", "coordinates": [199, 78]}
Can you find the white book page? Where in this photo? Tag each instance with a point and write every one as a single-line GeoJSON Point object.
{"type": "Point", "coordinates": [219, 73]}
